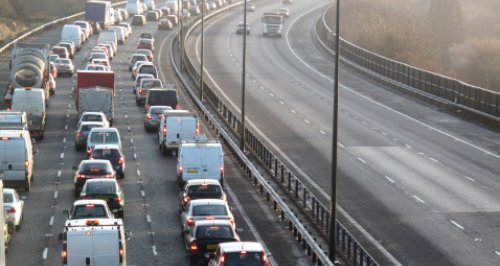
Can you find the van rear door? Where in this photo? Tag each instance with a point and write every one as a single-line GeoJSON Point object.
{"type": "Point", "coordinates": [188, 128]}
{"type": "Point", "coordinates": [106, 248]}
{"type": "Point", "coordinates": [212, 162]}
{"type": "Point", "coordinates": [191, 162]}
{"type": "Point", "coordinates": [79, 247]}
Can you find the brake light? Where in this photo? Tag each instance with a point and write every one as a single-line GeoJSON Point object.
{"type": "Point", "coordinates": [12, 210]}
{"type": "Point", "coordinates": [149, 117]}
{"type": "Point", "coordinates": [180, 172]}
{"type": "Point", "coordinates": [164, 130]}
{"type": "Point", "coordinates": [140, 91]}
{"type": "Point", "coordinates": [89, 206]}
{"type": "Point", "coordinates": [117, 199]}
{"type": "Point", "coordinates": [79, 134]}
{"type": "Point", "coordinates": [121, 252]}
{"type": "Point", "coordinates": [186, 199]}
{"type": "Point", "coordinates": [222, 171]}
{"type": "Point", "coordinates": [231, 220]}
{"type": "Point", "coordinates": [264, 258]}
{"type": "Point", "coordinates": [243, 252]}
{"type": "Point", "coordinates": [27, 163]}
{"type": "Point", "coordinates": [81, 176]}
{"type": "Point", "coordinates": [210, 218]}
{"type": "Point", "coordinates": [222, 259]}
{"type": "Point", "coordinates": [190, 222]}
{"type": "Point", "coordinates": [64, 254]}
{"type": "Point", "coordinates": [108, 176]}
{"type": "Point", "coordinates": [197, 129]}
{"type": "Point", "coordinates": [120, 161]}
{"type": "Point", "coordinates": [193, 246]}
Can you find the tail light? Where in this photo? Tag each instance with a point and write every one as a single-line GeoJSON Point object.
{"type": "Point", "coordinates": [149, 117]}
{"type": "Point", "coordinates": [81, 176]}
{"type": "Point", "coordinates": [193, 246]}
{"type": "Point", "coordinates": [108, 176]}
{"type": "Point", "coordinates": [180, 171]}
{"type": "Point", "coordinates": [222, 171]}
{"type": "Point", "coordinates": [190, 222]}
{"type": "Point", "coordinates": [147, 106]}
{"type": "Point", "coordinates": [231, 220]}
{"type": "Point", "coordinates": [197, 129]}
{"type": "Point", "coordinates": [89, 151]}
{"type": "Point", "coordinates": [264, 258]}
{"type": "Point", "coordinates": [222, 259]}
{"type": "Point", "coordinates": [122, 252]}
{"type": "Point", "coordinates": [12, 210]}
{"type": "Point", "coordinates": [139, 91]}
{"type": "Point", "coordinates": [117, 199]}
{"type": "Point", "coordinates": [120, 161]}
{"type": "Point", "coordinates": [79, 133]}
{"type": "Point", "coordinates": [164, 130]}
{"type": "Point", "coordinates": [64, 254]}
{"type": "Point", "coordinates": [186, 199]}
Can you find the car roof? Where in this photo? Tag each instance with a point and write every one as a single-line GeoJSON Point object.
{"type": "Point", "coordinates": [99, 123]}
{"type": "Point", "coordinates": [92, 113]}
{"type": "Point", "coordinates": [104, 129]}
{"type": "Point", "coordinates": [198, 202]}
{"type": "Point", "coordinates": [89, 201]}
{"type": "Point", "coordinates": [144, 75]}
{"type": "Point", "coordinates": [106, 146]}
{"type": "Point", "coordinates": [94, 161]}
{"type": "Point", "coordinates": [194, 182]}
{"type": "Point", "coordinates": [101, 180]}
{"type": "Point", "coordinates": [214, 222]}
{"type": "Point", "coordinates": [239, 246]}
{"type": "Point", "coordinates": [9, 190]}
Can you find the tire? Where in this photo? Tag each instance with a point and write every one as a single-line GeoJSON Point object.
{"type": "Point", "coordinates": [164, 150]}
{"type": "Point", "coordinates": [27, 186]}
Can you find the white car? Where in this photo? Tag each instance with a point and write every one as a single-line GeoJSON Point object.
{"type": "Point", "coordinates": [205, 209]}
{"type": "Point", "coordinates": [96, 67]}
{"type": "Point", "coordinates": [94, 117]}
{"type": "Point", "coordinates": [14, 206]}
{"type": "Point", "coordinates": [239, 253]}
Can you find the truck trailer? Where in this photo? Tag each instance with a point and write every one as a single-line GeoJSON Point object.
{"type": "Point", "coordinates": [95, 92]}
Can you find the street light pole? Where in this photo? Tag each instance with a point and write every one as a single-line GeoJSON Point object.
{"type": "Point", "coordinates": [202, 47]}
{"type": "Point", "coordinates": [333, 217]}
{"type": "Point", "coordinates": [243, 78]}
{"type": "Point", "coordinates": [180, 11]}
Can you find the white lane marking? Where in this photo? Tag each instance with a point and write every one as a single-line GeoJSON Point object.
{"type": "Point", "coordinates": [138, 172]}
{"type": "Point", "coordinates": [51, 221]}
{"type": "Point", "coordinates": [59, 173]}
{"type": "Point", "coordinates": [418, 199]}
{"type": "Point", "coordinates": [457, 224]}
{"type": "Point", "coordinates": [407, 146]}
{"type": "Point", "coordinates": [66, 127]}
{"type": "Point", "coordinates": [390, 179]}
{"type": "Point", "coordinates": [64, 140]}
{"type": "Point", "coordinates": [262, 88]}
{"type": "Point", "coordinates": [282, 102]}
{"type": "Point", "coordinates": [497, 252]}
{"type": "Point", "coordinates": [272, 95]}
{"type": "Point", "coordinates": [307, 121]}
{"type": "Point", "coordinates": [44, 254]}
{"type": "Point", "coordinates": [62, 155]}
{"type": "Point", "coordinates": [421, 153]}
{"type": "Point", "coordinates": [470, 178]}
{"type": "Point", "coordinates": [131, 140]}
{"type": "Point", "coordinates": [69, 105]}
{"type": "Point", "coordinates": [154, 251]}
{"type": "Point", "coordinates": [293, 111]}
{"type": "Point", "coordinates": [341, 145]}
{"type": "Point", "coordinates": [56, 193]}
{"type": "Point", "coordinates": [135, 156]}
{"type": "Point", "coordinates": [143, 194]}
{"type": "Point", "coordinates": [148, 219]}
{"type": "Point", "coordinates": [361, 160]}
{"type": "Point", "coordinates": [434, 160]}
{"type": "Point", "coordinates": [384, 133]}
{"type": "Point", "coordinates": [322, 132]}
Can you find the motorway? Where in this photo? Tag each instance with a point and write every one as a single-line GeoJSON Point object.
{"type": "Point", "coordinates": [422, 182]}
{"type": "Point", "coordinates": [151, 195]}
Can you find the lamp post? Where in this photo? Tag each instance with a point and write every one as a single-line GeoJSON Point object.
{"type": "Point", "coordinates": [243, 78]}
{"type": "Point", "coordinates": [333, 215]}
{"type": "Point", "coordinates": [202, 47]}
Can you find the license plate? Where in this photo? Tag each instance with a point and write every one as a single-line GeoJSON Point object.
{"type": "Point", "coordinates": [192, 171]}
{"type": "Point", "coordinates": [211, 247]}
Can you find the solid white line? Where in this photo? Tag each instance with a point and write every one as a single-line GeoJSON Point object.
{"type": "Point", "coordinates": [361, 160]}
{"type": "Point", "coordinates": [471, 179]}
{"type": "Point", "coordinates": [51, 221]}
{"type": "Point", "coordinates": [44, 254]}
{"type": "Point", "coordinates": [418, 199]}
{"type": "Point", "coordinates": [390, 179]}
{"type": "Point", "coordinates": [457, 224]}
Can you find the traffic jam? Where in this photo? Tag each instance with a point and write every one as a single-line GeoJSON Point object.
{"type": "Point", "coordinates": [94, 232]}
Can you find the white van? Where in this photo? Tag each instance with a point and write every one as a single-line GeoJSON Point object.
{"type": "Point", "coordinates": [172, 5]}
{"type": "Point", "coordinates": [108, 36]}
{"type": "Point", "coordinates": [72, 33]}
{"type": "Point", "coordinates": [13, 120]}
{"type": "Point", "coordinates": [134, 7]}
{"type": "Point", "coordinates": [200, 159]}
{"type": "Point", "coordinates": [176, 126]}
{"type": "Point", "coordinates": [150, 4]}
{"type": "Point", "coordinates": [94, 242]}
{"type": "Point", "coordinates": [16, 159]}
{"type": "Point", "coordinates": [32, 102]}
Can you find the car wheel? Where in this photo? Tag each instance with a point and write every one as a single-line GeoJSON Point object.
{"type": "Point", "coordinates": [77, 193]}
{"type": "Point", "coordinates": [122, 176]}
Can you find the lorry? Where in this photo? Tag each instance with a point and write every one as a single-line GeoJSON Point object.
{"type": "Point", "coordinates": [95, 92]}
{"type": "Point", "coordinates": [272, 24]}
{"type": "Point", "coordinates": [99, 14]}
{"type": "Point", "coordinates": [29, 67]}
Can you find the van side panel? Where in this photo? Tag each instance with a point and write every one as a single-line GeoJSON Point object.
{"type": "Point", "coordinates": [13, 156]}
{"type": "Point", "coordinates": [212, 161]}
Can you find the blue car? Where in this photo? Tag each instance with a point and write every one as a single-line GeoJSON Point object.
{"type": "Point", "coordinates": [113, 154]}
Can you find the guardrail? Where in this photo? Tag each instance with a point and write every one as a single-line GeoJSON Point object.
{"type": "Point", "coordinates": [478, 102]}
{"type": "Point", "coordinates": [347, 246]}
{"type": "Point", "coordinates": [46, 26]}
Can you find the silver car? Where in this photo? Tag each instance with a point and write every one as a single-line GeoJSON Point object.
{"type": "Point", "coordinates": [14, 206]}
{"type": "Point", "coordinates": [64, 66]}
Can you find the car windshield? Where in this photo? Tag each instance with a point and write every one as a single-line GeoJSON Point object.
{"type": "Point", "coordinates": [100, 188]}
{"type": "Point", "coordinates": [89, 211]}
{"type": "Point", "coordinates": [204, 210]}
{"type": "Point", "coordinates": [105, 154]}
{"type": "Point", "coordinates": [252, 258]}
{"type": "Point", "coordinates": [148, 84]}
{"type": "Point", "coordinates": [168, 98]}
{"type": "Point", "coordinates": [158, 110]}
{"type": "Point", "coordinates": [204, 192]}
{"type": "Point", "coordinates": [8, 198]}
{"type": "Point", "coordinates": [214, 232]}
{"type": "Point", "coordinates": [95, 168]}
{"type": "Point", "coordinates": [104, 137]}
{"type": "Point", "coordinates": [62, 61]}
{"type": "Point", "coordinates": [87, 128]}
{"type": "Point", "coordinates": [92, 117]}
{"type": "Point", "coordinates": [148, 69]}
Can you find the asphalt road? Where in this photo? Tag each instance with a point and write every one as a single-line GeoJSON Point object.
{"type": "Point", "coordinates": [151, 194]}
{"type": "Point", "coordinates": [422, 182]}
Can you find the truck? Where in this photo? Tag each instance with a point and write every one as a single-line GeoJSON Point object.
{"type": "Point", "coordinates": [99, 14]}
{"type": "Point", "coordinates": [29, 67]}
{"type": "Point", "coordinates": [95, 92]}
{"type": "Point", "coordinates": [272, 24]}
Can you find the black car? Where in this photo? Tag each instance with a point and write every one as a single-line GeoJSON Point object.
{"type": "Point", "coordinates": [107, 190]}
{"type": "Point", "coordinates": [152, 16]}
{"type": "Point", "coordinates": [201, 189]}
{"type": "Point", "coordinates": [89, 169]}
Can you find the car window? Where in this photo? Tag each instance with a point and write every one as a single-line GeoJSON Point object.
{"type": "Point", "coordinates": [100, 188]}
{"type": "Point", "coordinates": [87, 128]}
{"type": "Point", "coordinates": [94, 169]}
{"type": "Point", "coordinates": [93, 118]}
{"type": "Point", "coordinates": [8, 198]}
{"type": "Point", "coordinates": [111, 137]}
{"type": "Point", "coordinates": [204, 191]}
{"type": "Point", "coordinates": [211, 232]}
{"type": "Point", "coordinates": [202, 210]}
{"type": "Point", "coordinates": [89, 211]}
{"type": "Point", "coordinates": [151, 83]}
{"type": "Point", "coordinates": [158, 110]}
{"type": "Point", "coordinates": [239, 258]}
{"type": "Point", "coordinates": [97, 137]}
{"type": "Point", "coordinates": [148, 69]}
{"type": "Point", "coordinates": [105, 154]}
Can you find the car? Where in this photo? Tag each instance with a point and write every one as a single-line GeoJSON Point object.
{"type": "Point", "coordinates": [146, 44]}
{"type": "Point", "coordinates": [121, 35]}
{"type": "Point", "coordinates": [194, 10]}
{"type": "Point", "coordinates": [147, 35]}
{"type": "Point", "coordinates": [53, 68]}
{"type": "Point", "coordinates": [136, 57]}
{"type": "Point", "coordinates": [113, 154]}
{"type": "Point", "coordinates": [94, 117]}
{"type": "Point", "coordinates": [53, 57]}
{"type": "Point", "coordinates": [52, 84]}
{"type": "Point", "coordinates": [138, 20]}
{"type": "Point", "coordinates": [148, 68]}
{"type": "Point", "coordinates": [144, 85]}
{"type": "Point", "coordinates": [85, 26]}
{"type": "Point", "coordinates": [69, 46]}
{"type": "Point", "coordinates": [100, 49]}
{"type": "Point", "coordinates": [61, 51]}
{"type": "Point", "coordinates": [148, 53]}
{"type": "Point", "coordinates": [240, 28]}
{"type": "Point", "coordinates": [185, 14]}
{"type": "Point", "coordinates": [135, 67]}
{"type": "Point", "coordinates": [89, 169]}
{"type": "Point", "coordinates": [118, 16]}
{"type": "Point", "coordinates": [138, 80]}
{"type": "Point", "coordinates": [152, 16]}
{"type": "Point", "coordinates": [96, 67]}
{"type": "Point", "coordinates": [101, 61]}
{"type": "Point", "coordinates": [239, 253]}
{"type": "Point", "coordinates": [127, 28]}
{"type": "Point", "coordinates": [159, 12]}
{"type": "Point", "coordinates": [173, 18]}
{"type": "Point", "coordinates": [8, 229]}
{"type": "Point", "coordinates": [205, 209]}
{"type": "Point", "coordinates": [88, 208]}
{"type": "Point", "coordinates": [166, 10]}
{"type": "Point", "coordinates": [98, 55]}
{"type": "Point", "coordinates": [124, 13]}
{"type": "Point", "coordinates": [165, 24]}
{"type": "Point", "coordinates": [82, 133]}
{"type": "Point", "coordinates": [201, 189]}
{"type": "Point", "coordinates": [284, 12]}
{"type": "Point", "coordinates": [108, 135]}
{"type": "Point", "coordinates": [112, 45]}
{"type": "Point", "coordinates": [106, 189]}
{"type": "Point", "coordinates": [153, 115]}
{"type": "Point", "coordinates": [64, 66]}
{"type": "Point", "coordinates": [109, 47]}
{"type": "Point", "coordinates": [14, 206]}
{"type": "Point", "coordinates": [202, 241]}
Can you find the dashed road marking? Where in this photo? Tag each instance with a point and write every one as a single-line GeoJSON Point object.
{"type": "Point", "coordinates": [148, 218]}
{"type": "Point", "coordinates": [407, 146]}
{"type": "Point", "coordinates": [384, 133]}
{"type": "Point", "coordinates": [66, 127]}
{"type": "Point", "coordinates": [390, 179]}
{"type": "Point", "coordinates": [322, 132]}
{"type": "Point", "coordinates": [282, 102]}
{"type": "Point", "coordinates": [497, 252]}
{"type": "Point", "coordinates": [131, 140]}
{"type": "Point", "coordinates": [293, 111]}
{"type": "Point", "coordinates": [418, 199]}
{"type": "Point", "coordinates": [470, 178]}
{"type": "Point", "coordinates": [341, 145]}
{"type": "Point", "coordinates": [44, 254]}
{"type": "Point", "coordinates": [272, 95]}
{"type": "Point", "coordinates": [135, 156]}
{"type": "Point", "coordinates": [143, 194]}
{"type": "Point", "coordinates": [64, 140]}
{"type": "Point", "coordinates": [307, 121]}
{"type": "Point", "coordinates": [62, 155]}
{"type": "Point", "coordinates": [59, 173]}
{"type": "Point", "coordinates": [154, 251]}
{"type": "Point", "coordinates": [51, 221]}
{"type": "Point", "coordinates": [56, 194]}
{"type": "Point", "coordinates": [361, 160]}
{"type": "Point", "coordinates": [457, 225]}
{"type": "Point", "coordinates": [138, 172]}
{"type": "Point", "coordinates": [434, 160]}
